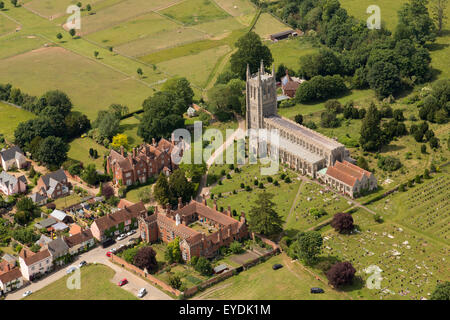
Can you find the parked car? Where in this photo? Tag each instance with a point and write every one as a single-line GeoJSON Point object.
{"type": "Point", "coordinates": [121, 246]}
{"type": "Point", "coordinates": [108, 254]}
{"type": "Point", "coordinates": [27, 293]}
{"type": "Point", "coordinates": [122, 282]}
{"type": "Point", "coordinates": [121, 237]}
{"type": "Point", "coordinates": [71, 269]}
{"type": "Point", "coordinates": [108, 242]}
{"type": "Point", "coordinates": [129, 233]}
{"type": "Point", "coordinates": [132, 241]}
{"type": "Point", "coordinates": [82, 263]}
{"type": "Point", "coordinates": [142, 292]}
{"type": "Point", "coordinates": [113, 250]}
{"type": "Point", "coordinates": [277, 266]}
{"type": "Point", "coordinates": [317, 290]}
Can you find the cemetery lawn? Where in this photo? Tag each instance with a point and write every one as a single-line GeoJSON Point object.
{"type": "Point", "coordinates": [411, 263]}
{"type": "Point", "coordinates": [260, 282]}
{"type": "Point", "coordinates": [95, 285]}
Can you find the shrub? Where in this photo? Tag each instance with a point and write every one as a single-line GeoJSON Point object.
{"type": "Point", "coordinates": [340, 274]}
{"type": "Point", "coordinates": [389, 163]}
{"type": "Point", "coordinates": [236, 247]}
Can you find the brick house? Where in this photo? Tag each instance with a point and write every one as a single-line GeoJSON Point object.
{"type": "Point", "coordinates": [142, 162]}
{"type": "Point", "coordinates": [10, 279]}
{"type": "Point", "coordinates": [80, 241]}
{"type": "Point", "coordinates": [289, 85]}
{"type": "Point", "coordinates": [54, 184]}
{"type": "Point", "coordinates": [113, 224]}
{"type": "Point", "coordinates": [34, 264]}
{"type": "Point", "coordinates": [202, 230]}
{"type": "Point", "coordinates": [348, 178]}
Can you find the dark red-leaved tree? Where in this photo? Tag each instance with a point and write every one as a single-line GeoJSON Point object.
{"type": "Point", "coordinates": [107, 191]}
{"type": "Point", "coordinates": [341, 274]}
{"type": "Point", "coordinates": [342, 222]}
{"type": "Point", "coordinates": [145, 258]}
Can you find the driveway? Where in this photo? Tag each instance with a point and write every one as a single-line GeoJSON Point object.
{"type": "Point", "coordinates": [98, 255]}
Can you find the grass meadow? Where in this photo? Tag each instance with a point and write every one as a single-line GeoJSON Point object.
{"type": "Point", "coordinates": [10, 117]}
{"type": "Point", "coordinates": [193, 12]}
{"type": "Point", "coordinates": [6, 25]}
{"type": "Point", "coordinates": [79, 150]}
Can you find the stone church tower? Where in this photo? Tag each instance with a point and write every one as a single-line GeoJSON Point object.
{"type": "Point", "coordinates": [261, 97]}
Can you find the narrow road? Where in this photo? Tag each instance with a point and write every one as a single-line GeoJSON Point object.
{"type": "Point", "coordinates": [98, 255]}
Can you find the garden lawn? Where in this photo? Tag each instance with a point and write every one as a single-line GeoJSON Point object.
{"type": "Point", "coordinates": [133, 195]}
{"type": "Point", "coordinates": [79, 150]}
{"type": "Point", "coordinates": [10, 117]}
{"type": "Point", "coordinates": [68, 201]}
{"type": "Point", "coordinates": [262, 283]}
{"type": "Point", "coordinates": [95, 285]}
{"type": "Point", "coordinates": [129, 127]}
{"type": "Point", "coordinates": [82, 79]}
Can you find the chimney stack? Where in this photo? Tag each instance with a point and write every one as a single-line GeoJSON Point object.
{"type": "Point", "coordinates": [180, 203]}
{"type": "Point", "coordinates": [154, 142]}
{"type": "Point", "coordinates": [122, 151]}
{"type": "Point", "coordinates": [203, 200]}
{"type": "Point", "coordinates": [215, 205]}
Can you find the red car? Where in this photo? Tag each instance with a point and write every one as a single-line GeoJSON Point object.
{"type": "Point", "coordinates": [122, 282]}
{"type": "Point", "coordinates": [108, 254]}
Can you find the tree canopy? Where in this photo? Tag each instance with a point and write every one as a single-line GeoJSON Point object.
{"type": "Point", "coordinates": [263, 217]}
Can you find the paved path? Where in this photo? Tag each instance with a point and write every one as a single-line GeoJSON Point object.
{"type": "Point", "coordinates": [98, 255]}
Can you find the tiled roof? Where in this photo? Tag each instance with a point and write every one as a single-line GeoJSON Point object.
{"type": "Point", "coordinates": [354, 167]}
{"type": "Point", "coordinates": [341, 176]}
{"type": "Point", "coordinates": [57, 247]}
{"type": "Point", "coordinates": [207, 212]}
{"type": "Point", "coordinates": [348, 170]}
{"type": "Point", "coordinates": [11, 275]}
{"type": "Point", "coordinates": [79, 238]}
{"type": "Point", "coordinates": [113, 219]}
{"type": "Point", "coordinates": [32, 258]}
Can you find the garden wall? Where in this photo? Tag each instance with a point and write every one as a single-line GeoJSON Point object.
{"type": "Point", "coordinates": [143, 274]}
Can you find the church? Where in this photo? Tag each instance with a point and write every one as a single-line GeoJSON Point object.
{"type": "Point", "coordinates": [301, 148]}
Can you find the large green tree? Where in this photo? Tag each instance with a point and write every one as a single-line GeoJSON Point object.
{"type": "Point", "coordinates": [180, 187]}
{"type": "Point", "coordinates": [371, 138]}
{"type": "Point", "coordinates": [250, 51]}
{"type": "Point", "coordinates": [442, 291]}
{"type": "Point", "coordinates": [161, 190]}
{"type": "Point", "coordinates": [182, 90]}
{"type": "Point", "coordinates": [263, 217]}
{"type": "Point", "coordinates": [52, 151]}
{"type": "Point", "coordinates": [307, 246]}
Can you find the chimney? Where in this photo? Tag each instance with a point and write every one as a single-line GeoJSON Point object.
{"type": "Point", "coordinates": [229, 231]}
{"type": "Point", "coordinates": [180, 203]}
{"type": "Point", "coordinates": [122, 151]}
{"type": "Point", "coordinates": [219, 235]}
{"type": "Point", "coordinates": [229, 211]}
{"type": "Point", "coordinates": [172, 138]}
{"type": "Point", "coordinates": [204, 200]}
{"type": "Point", "coordinates": [8, 267]}
{"type": "Point", "coordinates": [215, 204]}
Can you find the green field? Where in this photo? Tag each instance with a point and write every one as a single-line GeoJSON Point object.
{"type": "Point", "coordinates": [192, 12]}
{"type": "Point", "coordinates": [79, 150]}
{"type": "Point", "coordinates": [6, 25]}
{"type": "Point", "coordinates": [95, 285]}
{"type": "Point", "coordinates": [82, 79]}
{"type": "Point", "coordinates": [16, 44]}
{"type": "Point", "coordinates": [267, 25]}
{"type": "Point", "coordinates": [262, 283]}
{"type": "Point", "coordinates": [129, 127]}
{"type": "Point", "coordinates": [10, 117]}
{"type": "Point", "coordinates": [52, 9]}
{"type": "Point", "coordinates": [289, 52]}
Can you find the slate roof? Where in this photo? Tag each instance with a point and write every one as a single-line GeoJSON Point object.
{"type": "Point", "coordinates": [45, 223]}
{"type": "Point", "coordinates": [37, 197]}
{"type": "Point", "coordinates": [10, 153]}
{"type": "Point", "coordinates": [60, 226]}
{"type": "Point", "coordinates": [57, 247]}
{"type": "Point", "coordinates": [56, 176]}
{"type": "Point", "coordinates": [10, 180]}
{"type": "Point", "coordinates": [43, 240]}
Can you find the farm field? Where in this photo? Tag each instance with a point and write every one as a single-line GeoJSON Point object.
{"type": "Point", "coordinates": [14, 45]}
{"type": "Point", "coordinates": [10, 117]}
{"type": "Point", "coordinates": [196, 67]}
{"type": "Point", "coordinates": [95, 285]}
{"type": "Point", "coordinates": [260, 282]}
{"type": "Point", "coordinates": [84, 78]}
{"type": "Point", "coordinates": [52, 9]}
{"type": "Point", "coordinates": [6, 25]}
{"type": "Point", "coordinates": [289, 52]}
{"type": "Point", "coordinates": [79, 150]}
{"type": "Point", "coordinates": [267, 25]}
{"type": "Point", "coordinates": [193, 12]}
{"type": "Point", "coordinates": [410, 262]}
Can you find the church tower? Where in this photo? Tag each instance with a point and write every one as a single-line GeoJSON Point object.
{"type": "Point", "coordinates": [261, 100]}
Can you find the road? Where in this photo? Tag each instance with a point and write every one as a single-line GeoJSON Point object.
{"type": "Point", "coordinates": [98, 255]}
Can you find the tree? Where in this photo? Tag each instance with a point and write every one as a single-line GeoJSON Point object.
{"type": "Point", "coordinates": [162, 115]}
{"type": "Point", "coordinates": [180, 187]}
{"type": "Point", "coordinates": [262, 216]}
{"type": "Point", "coordinates": [371, 138]}
{"type": "Point", "coordinates": [72, 32]}
{"type": "Point", "coordinates": [173, 251]}
{"type": "Point", "coordinates": [14, 3]}
{"type": "Point", "coordinates": [250, 51]}
{"type": "Point", "coordinates": [96, 53]}
{"type": "Point", "coordinates": [90, 175]}
{"type": "Point", "coordinates": [76, 124]}
{"type": "Point", "coordinates": [52, 151]}
{"type": "Point", "coordinates": [88, 7]}
{"type": "Point", "coordinates": [342, 222]}
{"type": "Point", "coordinates": [175, 281]}
{"type": "Point", "coordinates": [139, 72]}
{"type": "Point", "coordinates": [307, 246]}
{"type": "Point", "coordinates": [383, 78]}
{"type": "Point", "coordinates": [182, 90]}
{"type": "Point", "coordinates": [59, 36]}
{"type": "Point", "coordinates": [415, 23]}
{"type": "Point", "coordinates": [442, 291]}
{"type": "Point", "coordinates": [299, 119]}
{"type": "Point", "coordinates": [119, 140]}
{"type": "Point", "coordinates": [236, 247]}
{"type": "Point", "coordinates": [203, 266]}
{"type": "Point", "coordinates": [119, 110]}
{"type": "Point", "coordinates": [328, 119]}
{"type": "Point", "coordinates": [434, 143]}
{"type": "Point", "coordinates": [145, 258]}
{"type": "Point", "coordinates": [320, 88]}
{"type": "Point", "coordinates": [161, 190]}
{"type": "Point", "coordinates": [107, 124]}
{"type": "Point", "coordinates": [57, 99]}
{"type": "Point", "coordinates": [341, 274]}
{"type": "Point", "coordinates": [362, 163]}
{"type": "Point", "coordinates": [79, 4]}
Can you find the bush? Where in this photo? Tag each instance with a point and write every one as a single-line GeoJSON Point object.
{"type": "Point", "coordinates": [175, 281]}
{"type": "Point", "coordinates": [236, 247]}
{"type": "Point", "coordinates": [341, 274]}
{"type": "Point", "coordinates": [203, 266]}
{"type": "Point", "coordinates": [389, 163]}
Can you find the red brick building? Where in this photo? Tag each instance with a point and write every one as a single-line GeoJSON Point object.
{"type": "Point", "coordinates": [142, 162]}
{"type": "Point", "coordinates": [202, 230]}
